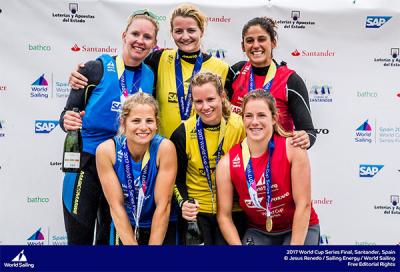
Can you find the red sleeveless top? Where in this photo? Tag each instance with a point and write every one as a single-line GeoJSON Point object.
{"type": "Point", "coordinates": [282, 206]}
{"type": "Point", "coordinates": [241, 87]}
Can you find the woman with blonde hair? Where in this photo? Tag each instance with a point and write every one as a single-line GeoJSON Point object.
{"type": "Point", "coordinates": [272, 178]}
{"type": "Point", "coordinates": [200, 142]}
{"type": "Point", "coordinates": [137, 171]}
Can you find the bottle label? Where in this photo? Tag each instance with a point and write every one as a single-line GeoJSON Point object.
{"type": "Point", "coordinates": [72, 160]}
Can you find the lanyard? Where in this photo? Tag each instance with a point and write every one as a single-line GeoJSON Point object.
{"type": "Point", "coordinates": [250, 179]}
{"type": "Point", "coordinates": [136, 80]}
{"type": "Point", "coordinates": [136, 199]}
{"type": "Point", "coordinates": [268, 79]}
{"type": "Point", "coordinates": [201, 139]}
{"type": "Point", "coordinates": [185, 104]}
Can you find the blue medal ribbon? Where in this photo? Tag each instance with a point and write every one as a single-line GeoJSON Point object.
{"type": "Point", "coordinates": [268, 79]}
{"type": "Point", "coordinates": [201, 140]}
{"type": "Point", "coordinates": [250, 179]}
{"type": "Point", "coordinates": [185, 104]}
{"type": "Point", "coordinates": [136, 199]}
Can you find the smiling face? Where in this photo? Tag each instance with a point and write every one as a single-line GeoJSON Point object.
{"type": "Point", "coordinates": [138, 40]}
{"type": "Point", "coordinates": [186, 34]}
{"type": "Point", "coordinates": [257, 45]}
{"type": "Point", "coordinates": [258, 120]}
{"type": "Point", "coordinates": [208, 103]}
{"type": "Point", "coordinates": [140, 125]}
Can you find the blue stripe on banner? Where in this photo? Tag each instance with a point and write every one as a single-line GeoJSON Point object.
{"type": "Point", "coordinates": [221, 258]}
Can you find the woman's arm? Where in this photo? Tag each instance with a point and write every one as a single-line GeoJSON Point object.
{"type": "Point", "coordinates": [105, 160]}
{"type": "Point", "coordinates": [299, 107]}
{"type": "Point", "coordinates": [167, 168]}
{"type": "Point", "coordinates": [301, 191]}
{"type": "Point", "coordinates": [225, 200]}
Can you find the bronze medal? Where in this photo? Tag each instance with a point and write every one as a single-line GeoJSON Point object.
{"type": "Point", "coordinates": [269, 223]}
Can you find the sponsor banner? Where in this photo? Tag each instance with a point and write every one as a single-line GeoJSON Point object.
{"type": "Point", "coordinates": [96, 49]}
{"type": "Point", "coordinates": [392, 59]}
{"type": "Point", "coordinates": [73, 14]}
{"type": "Point", "coordinates": [296, 21]}
{"type": "Point", "coordinates": [45, 126]}
{"type": "Point", "coordinates": [320, 93]}
{"type": "Point", "coordinates": [38, 47]}
{"type": "Point", "coordinates": [369, 170]}
{"type": "Point", "coordinates": [284, 258]}
{"type": "Point", "coordinates": [312, 53]}
{"type": "Point", "coordinates": [376, 21]}
{"type": "Point", "coordinates": [390, 207]}
{"type": "Point", "coordinates": [369, 132]}
{"type": "Point", "coordinates": [219, 19]}
{"type": "Point", "coordinates": [42, 237]}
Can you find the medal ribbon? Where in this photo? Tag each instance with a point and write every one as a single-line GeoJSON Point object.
{"type": "Point", "coordinates": [201, 140]}
{"type": "Point", "coordinates": [137, 76]}
{"type": "Point", "coordinates": [250, 179]}
{"type": "Point", "coordinates": [185, 104]}
{"type": "Point", "coordinates": [267, 81]}
{"type": "Point", "coordinates": [136, 199]}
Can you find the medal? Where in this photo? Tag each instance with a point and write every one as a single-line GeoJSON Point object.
{"type": "Point", "coordinates": [269, 223]}
{"type": "Point", "coordinates": [137, 234]}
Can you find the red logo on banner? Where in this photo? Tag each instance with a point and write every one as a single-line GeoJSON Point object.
{"type": "Point", "coordinates": [75, 48]}
{"type": "Point", "coordinates": [398, 94]}
{"type": "Point", "coordinates": [295, 53]}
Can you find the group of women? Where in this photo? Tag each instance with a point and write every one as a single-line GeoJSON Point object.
{"type": "Point", "coordinates": [132, 175]}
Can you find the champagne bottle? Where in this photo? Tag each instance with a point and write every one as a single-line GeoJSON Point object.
{"type": "Point", "coordinates": [250, 241]}
{"type": "Point", "coordinates": [194, 237]}
{"type": "Point", "coordinates": [72, 150]}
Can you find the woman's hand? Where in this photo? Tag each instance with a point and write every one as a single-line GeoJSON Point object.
{"type": "Point", "coordinates": [301, 139]}
{"type": "Point", "coordinates": [76, 79]}
{"type": "Point", "coordinates": [190, 210]}
{"type": "Point", "coordinates": [73, 120]}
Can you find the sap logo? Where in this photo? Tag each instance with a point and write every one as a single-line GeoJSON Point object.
{"type": "Point", "coordinates": [116, 106]}
{"type": "Point", "coordinates": [376, 21]}
{"type": "Point", "coordinates": [322, 131]}
{"type": "Point", "coordinates": [369, 170]}
{"type": "Point", "coordinates": [45, 126]}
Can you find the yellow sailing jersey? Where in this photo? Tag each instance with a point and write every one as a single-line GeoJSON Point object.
{"type": "Point", "coordinates": [196, 180]}
{"type": "Point", "coordinates": [166, 92]}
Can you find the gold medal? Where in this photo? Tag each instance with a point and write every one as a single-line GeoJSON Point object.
{"type": "Point", "coordinates": [269, 223]}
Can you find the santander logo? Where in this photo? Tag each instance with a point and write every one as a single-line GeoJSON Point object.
{"type": "Point", "coordinates": [296, 53]}
{"type": "Point", "coordinates": [75, 48]}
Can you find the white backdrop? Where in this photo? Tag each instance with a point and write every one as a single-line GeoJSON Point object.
{"type": "Point", "coordinates": [346, 51]}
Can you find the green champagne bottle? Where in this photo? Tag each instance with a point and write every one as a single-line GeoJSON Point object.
{"type": "Point", "coordinates": [72, 150]}
{"type": "Point", "coordinates": [194, 237]}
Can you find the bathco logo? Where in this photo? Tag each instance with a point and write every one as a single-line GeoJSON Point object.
{"type": "Point", "coordinates": [364, 133]}
{"type": "Point", "coordinates": [39, 88]}
{"type": "Point", "coordinates": [376, 21]}
{"type": "Point", "coordinates": [19, 261]}
{"type": "Point", "coordinates": [39, 47]}
{"type": "Point", "coordinates": [90, 48]}
{"type": "Point", "coordinates": [369, 170]}
{"type": "Point", "coordinates": [45, 126]}
{"type": "Point", "coordinates": [73, 14]}
{"type": "Point", "coordinates": [312, 53]}
{"type": "Point", "coordinates": [296, 21]}
{"type": "Point", "coordinates": [36, 239]}
{"type": "Point", "coordinates": [321, 93]}
{"type": "Point", "coordinates": [390, 60]}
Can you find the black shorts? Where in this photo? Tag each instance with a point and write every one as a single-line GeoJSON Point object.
{"type": "Point", "coordinates": [212, 235]}
{"type": "Point", "coordinates": [144, 235]}
{"type": "Point", "coordinates": [85, 205]}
